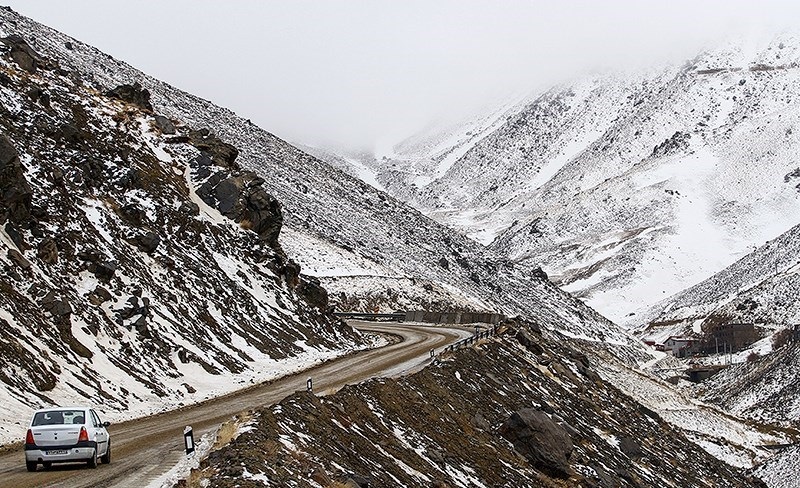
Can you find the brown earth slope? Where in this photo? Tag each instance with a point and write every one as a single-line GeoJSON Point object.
{"type": "Point", "coordinates": [518, 410]}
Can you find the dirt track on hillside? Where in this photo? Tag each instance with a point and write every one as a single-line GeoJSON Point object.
{"type": "Point", "coordinates": [146, 448]}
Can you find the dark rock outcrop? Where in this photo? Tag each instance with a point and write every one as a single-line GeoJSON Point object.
{"type": "Point", "coordinates": [47, 251]}
{"type": "Point", "coordinates": [291, 273]}
{"type": "Point", "coordinates": [539, 273]}
{"type": "Point", "coordinates": [22, 54]}
{"type": "Point", "coordinates": [104, 270]}
{"type": "Point", "coordinates": [133, 214]}
{"type": "Point", "coordinates": [133, 94]}
{"type": "Point", "coordinates": [99, 295]}
{"type": "Point", "coordinates": [164, 125]}
{"type": "Point", "coordinates": [15, 192]}
{"type": "Point", "coordinates": [148, 242]}
{"type": "Point", "coordinates": [17, 258]}
{"type": "Point", "coordinates": [539, 439]}
{"type": "Point", "coordinates": [58, 307]}
{"type": "Point", "coordinates": [242, 199]}
{"type": "Point", "coordinates": [311, 289]}
{"type": "Point", "coordinates": [212, 147]}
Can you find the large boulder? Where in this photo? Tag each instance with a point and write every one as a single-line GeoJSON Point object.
{"type": "Point", "coordinates": [213, 148]}
{"type": "Point", "coordinates": [17, 258]}
{"type": "Point", "coordinates": [133, 94]}
{"type": "Point", "coordinates": [58, 307]}
{"type": "Point", "coordinates": [540, 440]}
{"type": "Point", "coordinates": [15, 192]}
{"type": "Point", "coordinates": [313, 292]}
{"type": "Point", "coordinates": [22, 54]}
{"type": "Point", "coordinates": [148, 242]}
{"type": "Point", "coordinates": [103, 270]}
{"type": "Point", "coordinates": [47, 251]}
{"type": "Point", "coordinates": [242, 199]}
{"type": "Point", "coordinates": [164, 125]}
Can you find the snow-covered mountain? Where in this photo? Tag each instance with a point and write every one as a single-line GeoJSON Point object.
{"type": "Point", "coordinates": [141, 268]}
{"type": "Point", "coordinates": [112, 226]}
{"type": "Point", "coordinates": [335, 211]}
{"type": "Point", "coordinates": [150, 240]}
{"type": "Point", "coordinates": [629, 187]}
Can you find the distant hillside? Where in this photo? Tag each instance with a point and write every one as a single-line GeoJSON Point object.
{"type": "Point", "coordinates": [761, 288]}
{"type": "Point", "coordinates": [629, 187]}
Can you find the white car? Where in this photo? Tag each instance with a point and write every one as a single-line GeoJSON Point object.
{"type": "Point", "coordinates": [66, 435]}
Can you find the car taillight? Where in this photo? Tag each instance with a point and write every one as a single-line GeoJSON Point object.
{"type": "Point", "coordinates": [83, 436]}
{"type": "Point", "coordinates": [29, 438]}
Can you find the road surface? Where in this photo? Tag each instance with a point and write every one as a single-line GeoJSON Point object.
{"type": "Point", "coordinates": [146, 448]}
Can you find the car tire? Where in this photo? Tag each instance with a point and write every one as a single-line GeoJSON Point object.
{"type": "Point", "coordinates": [106, 458]}
{"type": "Point", "coordinates": [92, 462]}
{"type": "Point", "coordinates": [31, 465]}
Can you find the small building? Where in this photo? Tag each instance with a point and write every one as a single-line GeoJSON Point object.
{"type": "Point", "coordinates": [681, 346]}
{"type": "Point", "coordinates": [732, 336]}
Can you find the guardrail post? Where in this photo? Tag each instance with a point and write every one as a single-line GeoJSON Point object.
{"type": "Point", "coordinates": [188, 439]}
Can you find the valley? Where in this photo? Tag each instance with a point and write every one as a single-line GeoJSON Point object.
{"type": "Point", "coordinates": [174, 264]}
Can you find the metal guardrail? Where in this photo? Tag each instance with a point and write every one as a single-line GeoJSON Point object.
{"type": "Point", "coordinates": [468, 341]}
{"type": "Point", "coordinates": [395, 317]}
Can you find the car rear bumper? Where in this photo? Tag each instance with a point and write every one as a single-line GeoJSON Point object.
{"type": "Point", "coordinates": [60, 454]}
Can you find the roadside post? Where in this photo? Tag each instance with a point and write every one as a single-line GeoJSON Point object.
{"type": "Point", "coordinates": [309, 385]}
{"type": "Point", "coordinates": [433, 353]}
{"type": "Point", "coordinates": [188, 439]}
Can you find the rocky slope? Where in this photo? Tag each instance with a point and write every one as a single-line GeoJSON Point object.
{"type": "Point", "coordinates": [232, 273]}
{"type": "Point", "coordinates": [765, 390]}
{"type": "Point", "coordinates": [325, 205]}
{"type": "Point", "coordinates": [544, 418]}
{"type": "Point", "coordinates": [140, 262]}
{"type": "Point", "coordinates": [630, 187]}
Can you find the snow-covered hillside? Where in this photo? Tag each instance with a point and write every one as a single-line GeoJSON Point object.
{"type": "Point", "coordinates": [629, 187]}
{"type": "Point", "coordinates": [140, 264]}
{"type": "Point", "coordinates": [522, 409]}
{"type": "Point", "coordinates": [326, 204]}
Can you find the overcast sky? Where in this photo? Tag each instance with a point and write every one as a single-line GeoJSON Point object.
{"type": "Point", "coordinates": [360, 73]}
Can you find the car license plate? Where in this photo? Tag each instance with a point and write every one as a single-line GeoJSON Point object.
{"type": "Point", "coordinates": [56, 453]}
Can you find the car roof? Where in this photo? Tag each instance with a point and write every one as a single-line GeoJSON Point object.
{"type": "Point", "coordinates": [54, 409]}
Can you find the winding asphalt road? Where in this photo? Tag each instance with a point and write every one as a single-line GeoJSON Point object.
{"type": "Point", "coordinates": [146, 448]}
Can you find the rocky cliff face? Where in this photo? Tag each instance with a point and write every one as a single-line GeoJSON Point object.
{"type": "Point", "coordinates": [519, 410]}
{"type": "Point", "coordinates": [140, 262]}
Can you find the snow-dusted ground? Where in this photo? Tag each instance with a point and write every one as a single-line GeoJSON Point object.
{"type": "Point", "coordinates": [719, 433]}
{"type": "Point", "coordinates": [203, 313]}
{"type": "Point", "coordinates": [782, 470]}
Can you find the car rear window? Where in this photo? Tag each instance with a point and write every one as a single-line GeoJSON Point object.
{"type": "Point", "coordinates": [59, 417]}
